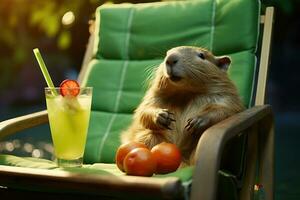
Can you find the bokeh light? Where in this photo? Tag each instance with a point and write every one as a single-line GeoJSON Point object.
{"type": "Point", "coordinates": [28, 147]}
{"type": "Point", "coordinates": [9, 146]}
{"type": "Point", "coordinates": [37, 153]}
{"type": "Point", "coordinates": [68, 18]}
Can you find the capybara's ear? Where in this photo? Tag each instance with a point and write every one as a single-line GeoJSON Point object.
{"type": "Point", "coordinates": [223, 62]}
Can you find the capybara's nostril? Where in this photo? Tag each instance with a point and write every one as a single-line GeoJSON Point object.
{"type": "Point", "coordinates": [171, 60]}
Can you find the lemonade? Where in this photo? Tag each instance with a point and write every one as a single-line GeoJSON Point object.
{"type": "Point", "coordinates": [69, 119]}
{"type": "Point", "coordinates": [69, 108]}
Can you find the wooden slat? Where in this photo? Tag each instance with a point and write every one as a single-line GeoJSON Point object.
{"type": "Point", "coordinates": [264, 57]}
{"type": "Point", "coordinates": [87, 58]}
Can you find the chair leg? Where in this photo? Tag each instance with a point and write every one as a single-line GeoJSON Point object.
{"type": "Point", "coordinates": [266, 159]}
{"type": "Point", "coordinates": [251, 163]}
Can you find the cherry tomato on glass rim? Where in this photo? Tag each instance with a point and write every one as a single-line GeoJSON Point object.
{"type": "Point", "coordinates": [69, 88]}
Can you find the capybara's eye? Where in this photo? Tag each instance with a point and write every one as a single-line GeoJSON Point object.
{"type": "Point", "coordinates": [201, 55]}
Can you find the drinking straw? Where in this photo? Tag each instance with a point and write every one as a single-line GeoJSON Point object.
{"type": "Point", "coordinates": [44, 70]}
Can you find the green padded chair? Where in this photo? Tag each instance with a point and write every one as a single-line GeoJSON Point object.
{"type": "Point", "coordinates": [129, 41]}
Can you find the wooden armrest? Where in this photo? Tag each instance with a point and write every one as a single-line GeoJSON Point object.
{"type": "Point", "coordinates": [63, 181]}
{"type": "Point", "coordinates": [212, 142]}
{"type": "Point", "coordinates": [11, 126]}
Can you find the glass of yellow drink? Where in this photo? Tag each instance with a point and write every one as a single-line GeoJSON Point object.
{"type": "Point", "coordinates": [69, 120]}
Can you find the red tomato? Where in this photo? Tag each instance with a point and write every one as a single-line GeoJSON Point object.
{"type": "Point", "coordinates": [167, 156]}
{"type": "Point", "coordinates": [69, 88]}
{"type": "Point", "coordinates": [140, 162]}
{"type": "Point", "coordinates": [123, 150]}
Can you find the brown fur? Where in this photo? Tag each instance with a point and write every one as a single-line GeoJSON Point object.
{"type": "Point", "coordinates": [179, 111]}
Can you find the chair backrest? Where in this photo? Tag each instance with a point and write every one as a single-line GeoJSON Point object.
{"type": "Point", "coordinates": [131, 39]}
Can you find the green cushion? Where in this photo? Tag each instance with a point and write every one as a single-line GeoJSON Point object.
{"type": "Point", "coordinates": [147, 31]}
{"type": "Point", "coordinates": [184, 174]}
{"type": "Point", "coordinates": [29, 162]}
{"type": "Point", "coordinates": [118, 85]}
{"type": "Point", "coordinates": [103, 136]}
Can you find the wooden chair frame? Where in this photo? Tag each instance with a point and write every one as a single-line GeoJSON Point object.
{"type": "Point", "coordinates": [257, 122]}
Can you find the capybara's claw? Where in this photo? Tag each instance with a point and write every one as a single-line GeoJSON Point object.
{"type": "Point", "coordinates": [164, 119]}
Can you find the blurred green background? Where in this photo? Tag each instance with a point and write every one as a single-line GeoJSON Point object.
{"type": "Point", "coordinates": [60, 29]}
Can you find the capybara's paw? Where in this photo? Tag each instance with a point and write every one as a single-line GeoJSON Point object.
{"type": "Point", "coordinates": [164, 118]}
{"type": "Point", "coordinates": [196, 124]}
